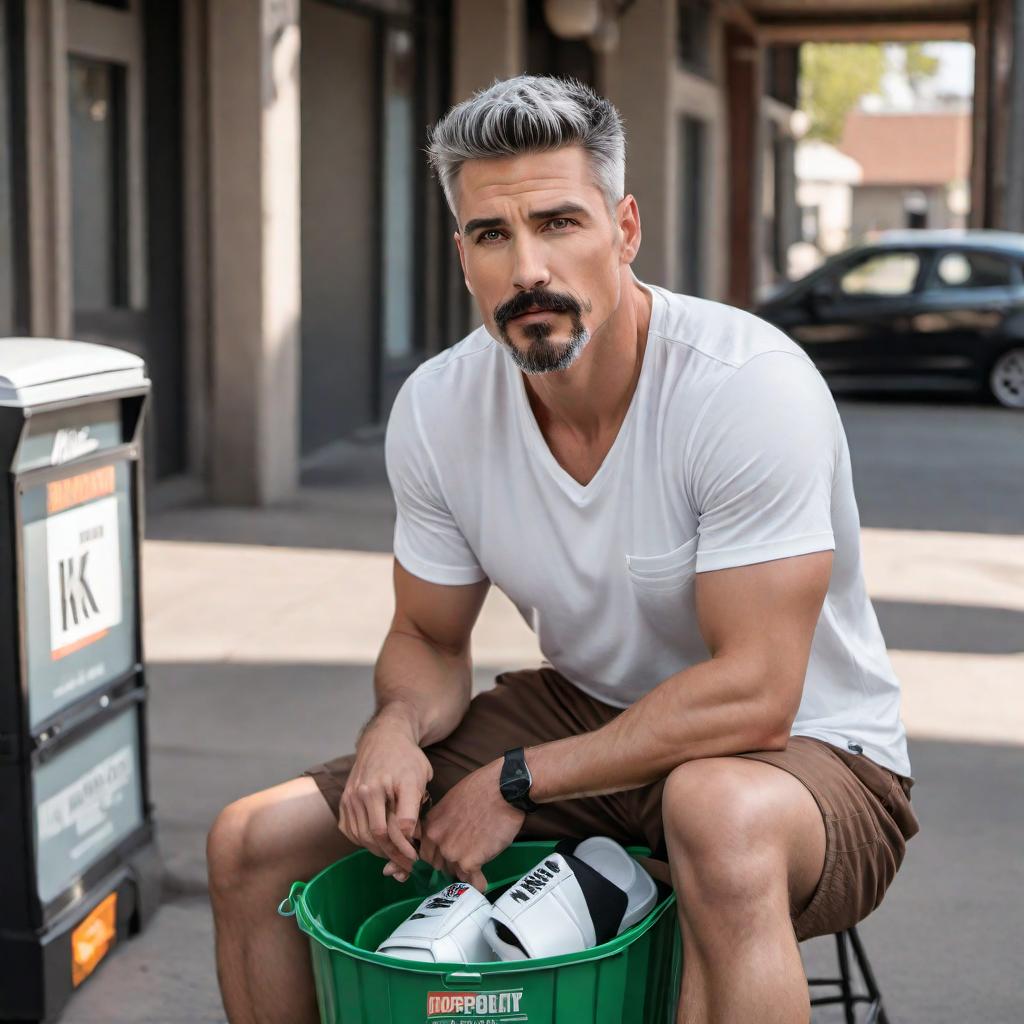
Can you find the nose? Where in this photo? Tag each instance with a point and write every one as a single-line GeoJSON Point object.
{"type": "Point", "coordinates": [530, 268]}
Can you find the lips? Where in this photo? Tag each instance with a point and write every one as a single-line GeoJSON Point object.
{"type": "Point", "coordinates": [531, 312]}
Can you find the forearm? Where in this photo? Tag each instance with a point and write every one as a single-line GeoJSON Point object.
{"type": "Point", "coordinates": [420, 686]}
{"type": "Point", "coordinates": [712, 709]}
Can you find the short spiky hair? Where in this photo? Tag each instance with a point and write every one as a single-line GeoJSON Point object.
{"type": "Point", "coordinates": [530, 114]}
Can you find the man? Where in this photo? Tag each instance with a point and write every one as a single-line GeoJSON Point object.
{"type": "Point", "coordinates": [662, 485]}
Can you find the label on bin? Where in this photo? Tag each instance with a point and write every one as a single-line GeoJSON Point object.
{"type": "Point", "coordinates": [499, 1007]}
{"type": "Point", "coordinates": [88, 798]}
{"type": "Point", "coordinates": [84, 567]}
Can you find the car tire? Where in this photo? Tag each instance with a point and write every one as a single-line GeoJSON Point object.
{"type": "Point", "coordinates": [1006, 378]}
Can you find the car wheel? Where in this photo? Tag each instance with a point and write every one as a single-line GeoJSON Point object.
{"type": "Point", "coordinates": [1006, 379]}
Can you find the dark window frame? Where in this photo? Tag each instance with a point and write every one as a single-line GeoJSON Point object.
{"type": "Point", "coordinates": [120, 256]}
{"type": "Point", "coordinates": [934, 284]}
{"type": "Point", "coordinates": [695, 21]}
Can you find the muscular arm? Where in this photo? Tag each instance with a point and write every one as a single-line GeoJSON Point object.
{"type": "Point", "coordinates": [423, 677]}
{"type": "Point", "coordinates": [758, 622]}
{"type": "Point", "coordinates": [422, 684]}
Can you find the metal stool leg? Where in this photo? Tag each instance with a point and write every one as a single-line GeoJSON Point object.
{"type": "Point", "coordinates": [844, 978]}
{"type": "Point", "coordinates": [847, 997]}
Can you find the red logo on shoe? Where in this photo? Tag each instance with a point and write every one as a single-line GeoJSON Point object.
{"type": "Point", "coordinates": [455, 890]}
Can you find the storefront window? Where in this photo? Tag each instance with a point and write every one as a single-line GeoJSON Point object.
{"type": "Point", "coordinates": [98, 175]}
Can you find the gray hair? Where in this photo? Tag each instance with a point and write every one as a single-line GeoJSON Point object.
{"type": "Point", "coordinates": [531, 114]}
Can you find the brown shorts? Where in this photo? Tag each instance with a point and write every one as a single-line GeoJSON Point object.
{"type": "Point", "coordinates": [866, 808]}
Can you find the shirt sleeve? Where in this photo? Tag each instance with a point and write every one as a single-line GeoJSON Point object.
{"type": "Point", "coordinates": [428, 541]}
{"type": "Point", "coordinates": [762, 461]}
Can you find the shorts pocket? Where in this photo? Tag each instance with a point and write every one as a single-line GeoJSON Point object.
{"type": "Point", "coordinates": [665, 573]}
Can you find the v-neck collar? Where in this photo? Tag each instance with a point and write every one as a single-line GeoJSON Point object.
{"type": "Point", "coordinates": [579, 493]}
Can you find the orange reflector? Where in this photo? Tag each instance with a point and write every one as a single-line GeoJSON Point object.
{"type": "Point", "coordinates": [92, 939]}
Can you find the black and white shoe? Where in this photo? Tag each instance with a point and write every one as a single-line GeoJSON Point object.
{"type": "Point", "coordinates": [445, 928]}
{"type": "Point", "coordinates": [581, 895]}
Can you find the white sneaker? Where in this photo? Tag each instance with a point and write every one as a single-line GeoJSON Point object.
{"type": "Point", "coordinates": [581, 895]}
{"type": "Point", "coordinates": [445, 928]}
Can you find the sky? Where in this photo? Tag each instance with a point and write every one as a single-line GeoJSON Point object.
{"type": "Point", "coordinates": [955, 76]}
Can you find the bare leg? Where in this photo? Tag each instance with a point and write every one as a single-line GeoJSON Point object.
{"type": "Point", "coordinates": [257, 847]}
{"type": "Point", "coordinates": [746, 843]}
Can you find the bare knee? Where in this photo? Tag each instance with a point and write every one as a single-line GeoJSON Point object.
{"type": "Point", "coordinates": [236, 846]}
{"type": "Point", "coordinates": [721, 835]}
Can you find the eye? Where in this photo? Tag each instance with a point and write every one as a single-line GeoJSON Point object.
{"type": "Point", "coordinates": [559, 223]}
{"type": "Point", "coordinates": [485, 236]}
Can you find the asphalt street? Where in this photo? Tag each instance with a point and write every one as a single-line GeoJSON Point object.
{"type": "Point", "coordinates": [261, 627]}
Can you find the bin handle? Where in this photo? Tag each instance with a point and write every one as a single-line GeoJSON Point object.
{"type": "Point", "coordinates": [287, 906]}
{"type": "Point", "coordinates": [460, 978]}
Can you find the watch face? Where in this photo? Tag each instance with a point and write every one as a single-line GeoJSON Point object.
{"type": "Point", "coordinates": [516, 787]}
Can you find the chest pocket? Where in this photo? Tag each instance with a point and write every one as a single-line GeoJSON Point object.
{"type": "Point", "coordinates": [660, 575]}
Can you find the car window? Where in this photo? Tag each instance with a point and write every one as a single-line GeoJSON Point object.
{"type": "Point", "coordinates": [973, 270]}
{"type": "Point", "coordinates": [884, 273]}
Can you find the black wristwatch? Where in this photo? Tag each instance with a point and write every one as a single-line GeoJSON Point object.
{"type": "Point", "coordinates": [516, 781]}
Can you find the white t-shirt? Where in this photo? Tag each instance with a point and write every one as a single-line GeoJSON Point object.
{"type": "Point", "coordinates": [732, 452]}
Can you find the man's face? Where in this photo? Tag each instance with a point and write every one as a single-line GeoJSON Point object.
{"type": "Point", "coordinates": [541, 253]}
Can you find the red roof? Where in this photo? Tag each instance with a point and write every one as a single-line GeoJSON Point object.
{"type": "Point", "coordinates": [909, 149]}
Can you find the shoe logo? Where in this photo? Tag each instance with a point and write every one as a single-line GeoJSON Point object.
{"type": "Point", "coordinates": [535, 881]}
{"type": "Point", "coordinates": [444, 899]}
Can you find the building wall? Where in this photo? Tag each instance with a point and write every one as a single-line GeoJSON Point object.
{"type": "Point", "coordinates": [339, 231]}
{"type": "Point", "coordinates": [883, 207]}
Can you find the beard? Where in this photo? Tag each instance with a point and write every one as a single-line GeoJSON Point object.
{"type": "Point", "coordinates": [543, 355]}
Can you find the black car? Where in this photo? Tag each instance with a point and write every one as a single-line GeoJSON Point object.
{"type": "Point", "coordinates": [941, 310]}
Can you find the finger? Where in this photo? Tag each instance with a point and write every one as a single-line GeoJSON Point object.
{"type": "Point", "coordinates": [363, 827]}
{"type": "Point", "coordinates": [477, 880]}
{"type": "Point", "coordinates": [402, 822]}
{"type": "Point", "coordinates": [429, 853]}
{"type": "Point", "coordinates": [377, 817]}
{"type": "Point", "coordinates": [395, 871]}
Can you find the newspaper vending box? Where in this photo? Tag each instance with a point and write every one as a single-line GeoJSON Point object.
{"type": "Point", "coordinates": [79, 869]}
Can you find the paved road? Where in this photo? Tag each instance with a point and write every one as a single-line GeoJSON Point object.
{"type": "Point", "coordinates": [261, 629]}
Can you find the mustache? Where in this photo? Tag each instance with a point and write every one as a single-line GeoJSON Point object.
{"type": "Point", "coordinates": [555, 302]}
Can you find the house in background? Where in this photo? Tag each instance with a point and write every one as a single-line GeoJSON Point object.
{"type": "Point", "coordinates": [916, 169]}
{"type": "Point", "coordinates": [825, 179]}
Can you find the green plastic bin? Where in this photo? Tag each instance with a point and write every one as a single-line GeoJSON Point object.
{"type": "Point", "coordinates": [349, 907]}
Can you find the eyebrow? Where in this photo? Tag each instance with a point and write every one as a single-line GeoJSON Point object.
{"type": "Point", "coordinates": [499, 222]}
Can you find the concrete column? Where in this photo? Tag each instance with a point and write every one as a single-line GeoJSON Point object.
{"type": "Point", "coordinates": [49, 173]}
{"type": "Point", "coordinates": [1013, 214]}
{"type": "Point", "coordinates": [489, 42]}
{"type": "Point", "coordinates": [254, 249]}
{"type": "Point", "coordinates": [638, 78]}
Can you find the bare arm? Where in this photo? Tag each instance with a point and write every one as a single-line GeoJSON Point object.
{"type": "Point", "coordinates": [424, 674]}
{"type": "Point", "coordinates": [758, 622]}
{"type": "Point", "coordinates": [422, 683]}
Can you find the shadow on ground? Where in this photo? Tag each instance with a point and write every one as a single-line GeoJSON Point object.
{"type": "Point", "coordinates": [944, 945]}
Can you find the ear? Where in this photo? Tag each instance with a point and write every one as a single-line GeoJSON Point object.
{"type": "Point", "coordinates": [627, 215]}
{"type": "Point", "coordinates": [462, 261]}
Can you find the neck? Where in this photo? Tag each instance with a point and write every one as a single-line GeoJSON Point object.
{"type": "Point", "coordinates": [592, 396]}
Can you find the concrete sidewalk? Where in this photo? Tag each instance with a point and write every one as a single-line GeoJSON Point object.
{"type": "Point", "coordinates": [262, 627]}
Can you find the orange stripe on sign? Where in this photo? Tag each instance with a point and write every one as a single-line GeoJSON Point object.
{"type": "Point", "coordinates": [92, 939]}
{"type": "Point", "coordinates": [77, 645]}
{"type": "Point", "coordinates": [76, 490]}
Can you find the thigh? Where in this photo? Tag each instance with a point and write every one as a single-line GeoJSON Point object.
{"type": "Point", "coordinates": [867, 817]}
{"type": "Point", "coordinates": [286, 830]}
{"type": "Point", "coordinates": [523, 709]}
{"type": "Point", "coordinates": [733, 823]}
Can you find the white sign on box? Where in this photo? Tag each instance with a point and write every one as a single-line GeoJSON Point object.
{"type": "Point", "coordinates": [84, 568]}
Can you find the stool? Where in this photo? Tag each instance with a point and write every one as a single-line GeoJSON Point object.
{"type": "Point", "coordinates": [847, 998]}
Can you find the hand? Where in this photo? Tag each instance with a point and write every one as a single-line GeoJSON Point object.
{"type": "Point", "coordinates": [471, 825]}
{"type": "Point", "coordinates": [381, 804]}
